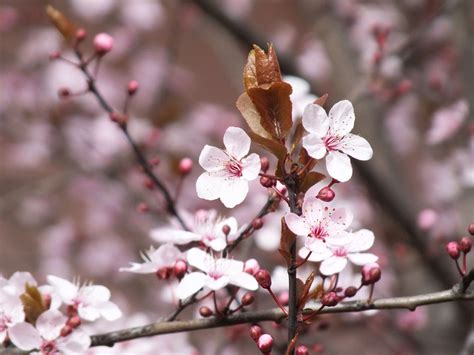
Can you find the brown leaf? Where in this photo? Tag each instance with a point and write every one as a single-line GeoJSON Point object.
{"type": "Point", "coordinates": [250, 74]}
{"type": "Point", "coordinates": [321, 100]}
{"type": "Point", "coordinates": [252, 117]}
{"type": "Point", "coordinates": [286, 241]}
{"type": "Point", "coordinates": [297, 136]}
{"type": "Point", "coordinates": [267, 68]}
{"type": "Point", "coordinates": [33, 303]}
{"type": "Point", "coordinates": [62, 23]}
{"type": "Point", "coordinates": [278, 149]}
{"type": "Point", "coordinates": [299, 288]}
{"type": "Point", "coordinates": [305, 292]}
{"type": "Point", "coordinates": [310, 179]}
{"type": "Point", "coordinates": [274, 106]}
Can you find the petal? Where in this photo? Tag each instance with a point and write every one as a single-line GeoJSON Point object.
{"type": "Point", "coordinates": [18, 281]}
{"type": "Point", "coordinates": [165, 255]}
{"type": "Point", "coordinates": [89, 313]}
{"type": "Point", "coordinates": [217, 284]}
{"type": "Point", "coordinates": [176, 236]}
{"type": "Point", "coordinates": [341, 217]}
{"type": "Point", "coordinates": [235, 191]}
{"type": "Point", "coordinates": [199, 259]}
{"type": "Point", "coordinates": [341, 118]}
{"type": "Point", "coordinates": [314, 146]}
{"type": "Point", "coordinates": [244, 280]}
{"type": "Point", "coordinates": [212, 158]}
{"type": "Point", "coordinates": [251, 167]}
{"type": "Point", "coordinates": [66, 290]}
{"type": "Point", "coordinates": [356, 146]}
{"type": "Point", "coordinates": [361, 240]}
{"type": "Point", "coordinates": [209, 185]}
{"type": "Point", "coordinates": [297, 224]}
{"type": "Point", "coordinates": [94, 294]}
{"type": "Point", "coordinates": [339, 166]}
{"type": "Point", "coordinates": [362, 258]}
{"type": "Point", "coordinates": [317, 246]}
{"type": "Point", "coordinates": [218, 244]}
{"type": "Point", "coordinates": [237, 142]}
{"type": "Point", "coordinates": [50, 323]}
{"type": "Point", "coordinates": [76, 343]}
{"type": "Point", "coordinates": [190, 284]}
{"type": "Point", "coordinates": [321, 255]}
{"type": "Point", "coordinates": [144, 268]}
{"type": "Point", "coordinates": [313, 211]}
{"type": "Point", "coordinates": [315, 120]}
{"type": "Point", "coordinates": [110, 311]}
{"type": "Point", "coordinates": [332, 265]}
{"type": "Point", "coordinates": [25, 336]}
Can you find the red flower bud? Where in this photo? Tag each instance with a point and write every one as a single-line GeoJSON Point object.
{"type": "Point", "coordinates": [330, 299]}
{"type": "Point", "coordinates": [81, 34]}
{"type": "Point", "coordinates": [74, 322]}
{"type": "Point", "coordinates": [263, 278]}
{"type": "Point", "coordinates": [301, 350]}
{"type": "Point", "coordinates": [103, 43]}
{"type": "Point", "coordinates": [350, 291]}
{"type": "Point", "coordinates": [264, 164]}
{"type": "Point", "coordinates": [132, 87]}
{"type": "Point", "coordinates": [326, 194]}
{"type": "Point", "coordinates": [465, 244]}
{"type": "Point", "coordinates": [453, 250]}
{"type": "Point", "coordinates": [119, 118]}
{"type": "Point", "coordinates": [180, 268]}
{"type": "Point", "coordinates": [257, 223]}
{"type": "Point", "coordinates": [265, 181]}
{"type": "Point", "coordinates": [54, 55]}
{"type": "Point", "coordinates": [371, 273]}
{"type": "Point", "coordinates": [255, 332]}
{"type": "Point", "coordinates": [65, 331]}
{"type": "Point", "coordinates": [247, 298]}
{"type": "Point", "coordinates": [470, 229]}
{"type": "Point", "coordinates": [142, 207]}
{"type": "Point", "coordinates": [251, 266]}
{"type": "Point", "coordinates": [225, 229]}
{"type": "Point", "coordinates": [164, 273]}
{"type": "Point", "coordinates": [64, 92]}
{"type": "Point", "coordinates": [185, 166]}
{"type": "Point", "coordinates": [265, 343]}
{"type": "Point", "coordinates": [149, 184]}
{"type": "Point", "coordinates": [205, 312]}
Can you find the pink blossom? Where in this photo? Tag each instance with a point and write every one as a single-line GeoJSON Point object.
{"type": "Point", "coordinates": [447, 121]}
{"type": "Point", "coordinates": [155, 259]}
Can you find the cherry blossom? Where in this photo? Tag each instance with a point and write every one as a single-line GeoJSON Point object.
{"type": "Point", "coordinates": [214, 274]}
{"type": "Point", "coordinates": [207, 228]}
{"type": "Point", "coordinates": [46, 336]}
{"type": "Point", "coordinates": [90, 301]}
{"type": "Point", "coordinates": [155, 259]}
{"type": "Point", "coordinates": [329, 137]}
{"type": "Point", "coordinates": [334, 257]}
{"type": "Point", "coordinates": [11, 313]}
{"type": "Point", "coordinates": [227, 171]}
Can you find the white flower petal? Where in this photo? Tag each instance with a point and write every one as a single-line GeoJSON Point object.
{"type": "Point", "coordinates": [110, 311]}
{"type": "Point", "coordinates": [89, 313]}
{"type": "Point", "coordinates": [235, 191]}
{"type": "Point", "coordinates": [166, 255]}
{"type": "Point", "coordinates": [66, 290]}
{"type": "Point", "coordinates": [50, 323]}
{"type": "Point", "coordinates": [332, 265]}
{"type": "Point", "coordinates": [313, 210]}
{"type": "Point", "coordinates": [362, 258]}
{"type": "Point", "coordinates": [315, 120]}
{"type": "Point", "coordinates": [25, 336]}
{"type": "Point", "coordinates": [237, 142]}
{"type": "Point", "coordinates": [314, 146]}
{"type": "Point", "coordinates": [94, 294]}
{"type": "Point", "coordinates": [75, 343]}
{"type": "Point", "coordinates": [190, 284]}
{"type": "Point", "coordinates": [251, 167]}
{"type": "Point", "coordinates": [212, 158]}
{"type": "Point", "coordinates": [361, 240]}
{"type": "Point", "coordinates": [217, 284]}
{"type": "Point", "coordinates": [297, 224]}
{"type": "Point", "coordinates": [210, 185]}
{"type": "Point", "coordinates": [218, 244]}
{"type": "Point", "coordinates": [244, 280]}
{"type": "Point", "coordinates": [339, 166]}
{"type": "Point", "coordinates": [176, 236]}
{"type": "Point", "coordinates": [315, 257]}
{"type": "Point", "coordinates": [199, 259]}
{"type": "Point", "coordinates": [341, 118]}
{"type": "Point", "coordinates": [356, 146]}
{"type": "Point", "coordinates": [317, 246]}
{"type": "Point", "coordinates": [144, 268]}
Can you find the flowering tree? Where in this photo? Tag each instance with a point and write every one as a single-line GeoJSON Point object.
{"type": "Point", "coordinates": [296, 151]}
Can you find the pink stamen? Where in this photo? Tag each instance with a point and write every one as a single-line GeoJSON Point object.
{"type": "Point", "coordinates": [331, 142]}
{"type": "Point", "coordinates": [319, 232]}
{"type": "Point", "coordinates": [234, 167]}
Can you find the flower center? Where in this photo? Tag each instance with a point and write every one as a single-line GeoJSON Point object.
{"type": "Point", "coordinates": [49, 347]}
{"type": "Point", "coordinates": [319, 232]}
{"type": "Point", "coordinates": [215, 274]}
{"type": "Point", "coordinates": [234, 167]}
{"type": "Point", "coordinates": [4, 320]}
{"type": "Point", "coordinates": [331, 142]}
{"type": "Point", "coordinates": [340, 252]}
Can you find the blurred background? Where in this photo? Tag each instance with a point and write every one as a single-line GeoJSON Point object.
{"type": "Point", "coordinates": [70, 189]}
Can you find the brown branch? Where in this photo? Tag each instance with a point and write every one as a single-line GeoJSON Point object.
{"type": "Point", "coordinates": [456, 293]}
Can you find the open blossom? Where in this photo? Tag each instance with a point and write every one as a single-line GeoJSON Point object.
{"type": "Point", "coordinates": [90, 301]}
{"type": "Point", "coordinates": [46, 337]}
{"type": "Point", "coordinates": [207, 228]}
{"type": "Point", "coordinates": [11, 313]}
{"type": "Point", "coordinates": [334, 257]}
{"type": "Point", "coordinates": [329, 137]}
{"type": "Point", "coordinates": [155, 259]}
{"type": "Point", "coordinates": [214, 274]}
{"type": "Point", "coordinates": [228, 171]}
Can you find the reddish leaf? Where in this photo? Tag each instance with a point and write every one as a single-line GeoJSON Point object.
{"type": "Point", "coordinates": [286, 241]}
{"type": "Point", "coordinates": [297, 136]}
{"type": "Point", "coordinates": [251, 116]}
{"type": "Point", "coordinates": [250, 74]}
{"type": "Point", "coordinates": [62, 23]}
{"type": "Point", "coordinates": [305, 292]}
{"type": "Point", "coordinates": [321, 100]}
{"type": "Point", "coordinates": [267, 68]}
{"type": "Point", "coordinates": [310, 179]}
{"type": "Point", "coordinates": [275, 147]}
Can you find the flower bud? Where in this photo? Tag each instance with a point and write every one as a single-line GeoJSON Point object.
{"type": "Point", "coordinates": [330, 299]}
{"type": "Point", "coordinates": [65, 331]}
{"type": "Point", "coordinates": [247, 299]}
{"type": "Point", "coordinates": [54, 55]}
{"type": "Point", "coordinates": [453, 250]}
{"type": "Point", "coordinates": [64, 92]}
{"type": "Point", "coordinates": [180, 268]}
{"type": "Point", "coordinates": [257, 223]}
{"type": "Point", "coordinates": [154, 161]}
{"type": "Point", "coordinates": [132, 87]}
{"type": "Point", "coordinates": [185, 166]}
{"type": "Point", "coordinates": [264, 164]}
{"type": "Point", "coordinates": [470, 229]}
{"type": "Point", "coordinates": [251, 266]}
{"type": "Point", "coordinates": [350, 291]}
{"type": "Point", "coordinates": [265, 343]}
{"type": "Point", "coordinates": [103, 43]}
{"type": "Point", "coordinates": [371, 273]}
{"type": "Point", "coordinates": [255, 332]}
{"type": "Point", "coordinates": [74, 322]}
{"type": "Point", "coordinates": [263, 278]}
{"type": "Point", "coordinates": [149, 184]}
{"type": "Point", "coordinates": [265, 181]}
{"type": "Point", "coordinates": [164, 273]}
{"type": "Point", "coordinates": [119, 118]}
{"type": "Point", "coordinates": [225, 229]}
{"type": "Point", "coordinates": [283, 298]}
{"type": "Point", "coordinates": [326, 194]}
{"type": "Point", "coordinates": [71, 310]}
{"type": "Point", "coordinates": [81, 35]}
{"type": "Point", "coordinates": [142, 207]}
{"type": "Point", "coordinates": [301, 350]}
{"type": "Point", "coordinates": [205, 312]}
{"type": "Point", "coordinates": [465, 244]}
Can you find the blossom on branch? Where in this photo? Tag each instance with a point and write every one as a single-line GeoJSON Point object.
{"type": "Point", "coordinates": [329, 137]}
{"type": "Point", "coordinates": [228, 171]}
{"type": "Point", "coordinates": [155, 259]}
{"type": "Point", "coordinates": [214, 274]}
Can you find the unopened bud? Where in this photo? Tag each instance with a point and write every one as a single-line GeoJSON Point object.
{"type": "Point", "coordinates": [465, 244]}
{"type": "Point", "coordinates": [404, 86]}
{"type": "Point", "coordinates": [149, 184]}
{"type": "Point", "coordinates": [257, 223]}
{"type": "Point", "coordinates": [164, 273]}
{"type": "Point", "coordinates": [103, 43]}
{"type": "Point", "coordinates": [132, 87]}
{"type": "Point", "coordinates": [251, 266]}
{"type": "Point", "coordinates": [64, 92]}
{"type": "Point", "coordinates": [226, 229]}
{"type": "Point", "coordinates": [255, 332]}
{"type": "Point", "coordinates": [283, 298]}
{"type": "Point", "coordinates": [263, 278]}
{"type": "Point", "coordinates": [371, 273]}
{"type": "Point", "coordinates": [264, 164]}
{"type": "Point", "coordinates": [54, 55]}
{"type": "Point", "coordinates": [71, 310]}
{"type": "Point", "coordinates": [185, 166]}
{"type": "Point", "coordinates": [142, 207]}
{"type": "Point", "coordinates": [154, 161]}
{"type": "Point", "coordinates": [205, 312]}
{"type": "Point", "coordinates": [265, 343]}
{"type": "Point", "coordinates": [301, 350]}
{"type": "Point", "coordinates": [265, 181]}
{"type": "Point", "coordinates": [330, 299]}
{"type": "Point", "coordinates": [65, 331]}
{"type": "Point", "coordinates": [81, 34]}
{"type": "Point", "coordinates": [119, 118]}
{"type": "Point", "coordinates": [74, 322]}
{"type": "Point", "coordinates": [247, 298]}
{"type": "Point", "coordinates": [326, 194]}
{"type": "Point", "coordinates": [470, 229]}
{"type": "Point", "coordinates": [453, 250]}
{"type": "Point", "coordinates": [350, 291]}
{"type": "Point", "coordinates": [180, 268]}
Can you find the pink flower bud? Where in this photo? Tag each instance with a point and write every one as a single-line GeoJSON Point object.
{"type": "Point", "coordinates": [264, 164]}
{"type": "Point", "coordinates": [470, 229]}
{"type": "Point", "coordinates": [81, 34]}
{"type": "Point", "coordinates": [103, 43]}
{"type": "Point", "coordinates": [180, 268]}
{"type": "Point", "coordinates": [64, 92]}
{"type": "Point", "coordinates": [205, 312]}
{"type": "Point", "coordinates": [263, 278]}
{"type": "Point", "coordinates": [149, 184]}
{"type": "Point", "coordinates": [404, 86]}
{"type": "Point", "coordinates": [350, 291]}
{"type": "Point", "coordinates": [132, 87]}
{"type": "Point", "coordinates": [247, 298]}
{"type": "Point", "coordinates": [119, 118]}
{"type": "Point", "coordinates": [142, 207]}
{"type": "Point", "coordinates": [185, 166]}
{"type": "Point", "coordinates": [164, 273]}
{"type": "Point", "coordinates": [255, 332]}
{"type": "Point", "coordinates": [265, 181]}
{"type": "Point", "coordinates": [283, 298]}
{"type": "Point", "coordinates": [71, 311]}
{"type": "Point", "coordinates": [453, 250]}
{"type": "Point", "coordinates": [225, 229]}
{"type": "Point", "coordinates": [54, 55]}
{"type": "Point", "coordinates": [65, 331]}
{"type": "Point", "coordinates": [371, 273]}
{"type": "Point", "coordinates": [154, 161]}
{"type": "Point", "coordinates": [251, 266]}
{"type": "Point", "coordinates": [257, 223]}
{"type": "Point", "coordinates": [326, 194]}
{"type": "Point", "coordinates": [427, 219]}
{"type": "Point", "coordinates": [265, 343]}
{"type": "Point", "coordinates": [330, 299]}
{"type": "Point", "coordinates": [74, 322]}
{"type": "Point", "coordinates": [301, 350]}
{"type": "Point", "coordinates": [465, 244]}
